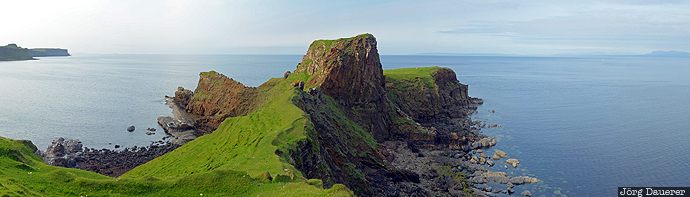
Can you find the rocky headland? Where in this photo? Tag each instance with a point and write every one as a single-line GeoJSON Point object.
{"type": "Point", "coordinates": [336, 125]}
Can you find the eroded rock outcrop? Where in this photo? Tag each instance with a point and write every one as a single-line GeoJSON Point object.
{"type": "Point", "coordinates": [217, 97]}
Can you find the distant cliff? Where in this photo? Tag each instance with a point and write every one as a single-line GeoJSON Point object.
{"type": "Point", "coordinates": [12, 52]}
{"type": "Point", "coordinates": [48, 52]}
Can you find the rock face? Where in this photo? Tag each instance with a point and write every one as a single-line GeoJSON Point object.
{"type": "Point", "coordinates": [65, 153]}
{"type": "Point", "coordinates": [218, 97]}
{"type": "Point", "coordinates": [347, 87]}
{"type": "Point", "coordinates": [349, 70]}
{"type": "Point", "coordinates": [429, 103]}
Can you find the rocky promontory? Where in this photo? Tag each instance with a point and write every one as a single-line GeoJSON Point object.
{"type": "Point", "coordinates": [338, 124]}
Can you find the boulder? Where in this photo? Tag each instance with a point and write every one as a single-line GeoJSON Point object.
{"type": "Point", "coordinates": [498, 154]}
{"type": "Point", "coordinates": [513, 162]}
{"type": "Point", "coordinates": [131, 128]}
{"type": "Point", "coordinates": [286, 74]}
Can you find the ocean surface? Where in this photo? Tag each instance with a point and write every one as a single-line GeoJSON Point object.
{"type": "Point", "coordinates": [584, 126]}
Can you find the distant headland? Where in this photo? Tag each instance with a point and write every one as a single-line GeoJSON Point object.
{"type": "Point", "coordinates": [12, 52]}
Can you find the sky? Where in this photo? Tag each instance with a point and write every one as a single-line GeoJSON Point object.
{"type": "Point", "coordinates": [527, 27]}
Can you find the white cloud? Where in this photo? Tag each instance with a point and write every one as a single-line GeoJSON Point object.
{"type": "Point", "coordinates": [264, 26]}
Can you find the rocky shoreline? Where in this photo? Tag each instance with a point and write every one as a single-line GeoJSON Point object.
{"type": "Point", "coordinates": [452, 170]}
{"type": "Point", "coordinates": [71, 153]}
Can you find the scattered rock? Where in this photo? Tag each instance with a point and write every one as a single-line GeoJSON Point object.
{"type": "Point", "coordinates": [151, 129]}
{"type": "Point", "coordinates": [131, 128]}
{"type": "Point", "coordinates": [513, 162]}
{"type": "Point", "coordinates": [117, 146]}
{"type": "Point", "coordinates": [490, 162]}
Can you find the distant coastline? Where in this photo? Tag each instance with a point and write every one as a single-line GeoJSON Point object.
{"type": "Point", "coordinates": [13, 52]}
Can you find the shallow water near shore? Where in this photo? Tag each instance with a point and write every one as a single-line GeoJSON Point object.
{"type": "Point", "coordinates": [583, 125]}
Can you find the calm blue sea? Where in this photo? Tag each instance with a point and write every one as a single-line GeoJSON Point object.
{"type": "Point", "coordinates": [583, 125]}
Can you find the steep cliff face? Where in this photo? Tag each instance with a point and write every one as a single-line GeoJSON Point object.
{"type": "Point", "coordinates": [428, 95]}
{"type": "Point", "coordinates": [349, 70]}
{"type": "Point", "coordinates": [351, 112]}
{"type": "Point", "coordinates": [217, 97]}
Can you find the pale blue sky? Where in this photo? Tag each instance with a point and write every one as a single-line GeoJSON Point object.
{"type": "Point", "coordinates": [402, 27]}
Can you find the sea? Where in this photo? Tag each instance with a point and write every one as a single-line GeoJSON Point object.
{"type": "Point", "coordinates": [582, 125]}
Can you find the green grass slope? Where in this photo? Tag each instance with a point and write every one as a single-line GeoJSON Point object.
{"type": "Point", "coordinates": [233, 160]}
{"type": "Point", "coordinates": [22, 173]}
